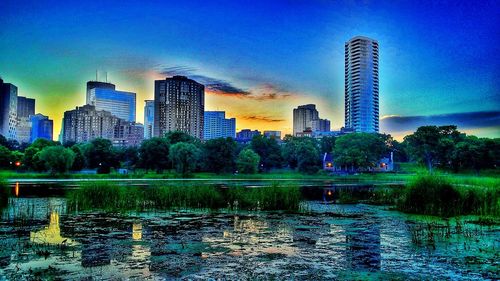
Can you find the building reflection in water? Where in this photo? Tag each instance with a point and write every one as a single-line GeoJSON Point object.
{"type": "Point", "coordinates": [51, 234]}
{"type": "Point", "coordinates": [363, 245]}
{"type": "Point", "coordinates": [137, 231]}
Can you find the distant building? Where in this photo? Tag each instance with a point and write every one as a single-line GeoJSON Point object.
{"type": "Point", "coordinates": [128, 133]}
{"type": "Point", "coordinates": [121, 104]}
{"type": "Point", "coordinates": [306, 133]}
{"type": "Point", "coordinates": [41, 127]}
{"type": "Point", "coordinates": [85, 123]}
{"type": "Point", "coordinates": [302, 117]}
{"type": "Point", "coordinates": [8, 110]}
{"type": "Point", "coordinates": [320, 125]}
{"type": "Point", "coordinates": [273, 134]}
{"type": "Point", "coordinates": [179, 106]}
{"type": "Point", "coordinates": [217, 126]}
{"type": "Point", "coordinates": [361, 85]}
{"type": "Point", "coordinates": [95, 85]}
{"type": "Point", "coordinates": [149, 115]}
{"type": "Point", "coordinates": [246, 135]}
{"type": "Point", "coordinates": [25, 108]}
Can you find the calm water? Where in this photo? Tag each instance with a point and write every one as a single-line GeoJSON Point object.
{"type": "Point", "coordinates": [38, 238]}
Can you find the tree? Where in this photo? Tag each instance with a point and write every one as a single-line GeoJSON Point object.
{"type": "Point", "coordinates": [31, 157]}
{"type": "Point", "coordinates": [79, 162]}
{"type": "Point", "coordinates": [128, 156]}
{"type": "Point", "coordinates": [153, 154]}
{"type": "Point", "coordinates": [100, 155]}
{"type": "Point", "coordinates": [327, 144]}
{"type": "Point", "coordinates": [174, 137]}
{"type": "Point", "coordinates": [219, 155]}
{"type": "Point", "coordinates": [57, 159]}
{"type": "Point", "coordinates": [359, 150]}
{"type": "Point", "coordinates": [433, 145]}
{"type": "Point", "coordinates": [269, 151]}
{"type": "Point", "coordinates": [184, 157]}
{"type": "Point", "coordinates": [248, 161]}
{"type": "Point", "coordinates": [302, 153]}
{"type": "Point", "coordinates": [5, 157]}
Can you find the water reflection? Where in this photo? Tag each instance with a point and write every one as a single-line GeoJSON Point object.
{"type": "Point", "coordinates": [330, 244]}
{"type": "Point", "coordinates": [50, 234]}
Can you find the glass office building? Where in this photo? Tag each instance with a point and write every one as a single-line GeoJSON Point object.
{"type": "Point", "coordinates": [361, 85]}
{"type": "Point", "coordinates": [121, 104]}
{"type": "Point", "coordinates": [217, 126]}
{"type": "Point", "coordinates": [41, 127]}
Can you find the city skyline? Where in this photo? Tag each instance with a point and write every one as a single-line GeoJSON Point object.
{"type": "Point", "coordinates": [265, 63]}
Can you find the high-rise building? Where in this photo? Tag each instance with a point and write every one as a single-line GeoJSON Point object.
{"type": "Point", "coordinates": [8, 110]}
{"type": "Point", "coordinates": [41, 127]}
{"type": "Point", "coordinates": [179, 106]}
{"type": "Point", "coordinates": [97, 84]}
{"type": "Point", "coordinates": [85, 123]}
{"type": "Point", "coordinates": [149, 117]}
{"type": "Point", "coordinates": [121, 104]}
{"type": "Point", "coordinates": [320, 125]}
{"type": "Point", "coordinates": [128, 133]}
{"type": "Point", "coordinates": [272, 134]}
{"type": "Point", "coordinates": [361, 85]}
{"type": "Point", "coordinates": [217, 126]}
{"type": "Point", "coordinates": [302, 117]}
{"type": "Point", "coordinates": [246, 135]}
{"type": "Point", "coordinates": [25, 108]}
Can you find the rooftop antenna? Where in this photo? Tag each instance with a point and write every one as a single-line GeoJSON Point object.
{"type": "Point", "coordinates": [106, 76]}
{"type": "Point", "coordinates": [96, 79]}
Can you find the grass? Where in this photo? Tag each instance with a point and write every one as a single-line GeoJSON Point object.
{"type": "Point", "coordinates": [113, 197]}
{"type": "Point", "coordinates": [434, 194]}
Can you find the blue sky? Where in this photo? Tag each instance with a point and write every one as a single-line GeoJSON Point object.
{"type": "Point", "coordinates": [262, 58]}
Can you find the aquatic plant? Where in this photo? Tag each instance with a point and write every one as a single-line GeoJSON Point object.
{"type": "Point", "coordinates": [433, 194]}
{"type": "Point", "coordinates": [111, 196]}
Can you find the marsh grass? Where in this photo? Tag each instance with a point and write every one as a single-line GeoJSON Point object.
{"type": "Point", "coordinates": [434, 194]}
{"type": "Point", "coordinates": [114, 197]}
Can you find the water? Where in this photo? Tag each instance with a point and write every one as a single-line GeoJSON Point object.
{"type": "Point", "coordinates": [40, 239]}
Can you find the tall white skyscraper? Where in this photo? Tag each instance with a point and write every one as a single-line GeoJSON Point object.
{"type": "Point", "coordinates": [303, 115]}
{"type": "Point", "coordinates": [361, 85]}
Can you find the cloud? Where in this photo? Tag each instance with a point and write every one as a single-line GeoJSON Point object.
{"type": "Point", "coordinates": [261, 118]}
{"type": "Point", "coordinates": [263, 90]}
{"type": "Point", "coordinates": [464, 121]}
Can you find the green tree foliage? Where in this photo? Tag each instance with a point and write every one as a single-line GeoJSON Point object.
{"type": "Point", "coordinates": [248, 161]}
{"type": "Point", "coordinates": [153, 154]}
{"type": "Point", "coordinates": [219, 155]}
{"type": "Point", "coordinates": [360, 150]}
{"type": "Point", "coordinates": [184, 157]}
{"type": "Point", "coordinates": [31, 159]}
{"type": "Point", "coordinates": [5, 157]}
{"type": "Point", "coordinates": [101, 155]}
{"type": "Point", "coordinates": [57, 159]}
{"type": "Point", "coordinates": [79, 162]}
{"type": "Point", "coordinates": [327, 144]}
{"type": "Point", "coordinates": [475, 153]}
{"type": "Point", "coordinates": [269, 151]}
{"type": "Point", "coordinates": [433, 145]}
{"type": "Point", "coordinates": [178, 136]}
{"type": "Point", "coordinates": [128, 156]}
{"type": "Point", "coordinates": [302, 153]}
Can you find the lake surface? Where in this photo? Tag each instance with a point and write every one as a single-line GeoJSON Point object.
{"type": "Point", "coordinates": [39, 238]}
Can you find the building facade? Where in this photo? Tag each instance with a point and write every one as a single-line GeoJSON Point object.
{"type": "Point", "coordinates": [362, 85]}
{"type": "Point", "coordinates": [97, 84]}
{"type": "Point", "coordinates": [320, 125]}
{"type": "Point", "coordinates": [273, 134]}
{"type": "Point", "coordinates": [86, 123]}
{"type": "Point", "coordinates": [246, 135]}
{"type": "Point", "coordinates": [149, 117]}
{"type": "Point", "coordinates": [217, 126]}
{"type": "Point", "coordinates": [41, 127]}
{"type": "Point", "coordinates": [121, 104]}
{"type": "Point", "coordinates": [302, 117]}
{"type": "Point", "coordinates": [25, 109]}
{"type": "Point", "coordinates": [179, 106]}
{"type": "Point", "coordinates": [8, 110]}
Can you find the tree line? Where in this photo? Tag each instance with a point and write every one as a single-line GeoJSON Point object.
{"type": "Point", "coordinates": [434, 146]}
